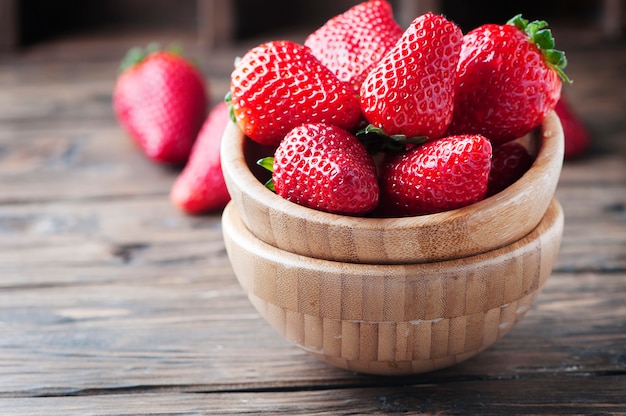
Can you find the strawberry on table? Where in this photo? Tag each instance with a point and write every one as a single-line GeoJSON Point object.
{"type": "Point", "coordinates": [161, 100]}
{"type": "Point", "coordinates": [509, 163]}
{"type": "Point", "coordinates": [324, 167]}
{"type": "Point", "coordinates": [577, 137]}
{"type": "Point", "coordinates": [411, 90]}
{"type": "Point", "coordinates": [351, 43]}
{"type": "Point", "coordinates": [279, 85]}
{"type": "Point", "coordinates": [509, 78]}
{"type": "Point", "coordinates": [440, 175]}
{"type": "Point", "coordinates": [200, 187]}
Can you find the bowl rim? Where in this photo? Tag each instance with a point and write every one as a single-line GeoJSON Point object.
{"type": "Point", "coordinates": [551, 223]}
{"type": "Point", "coordinates": [548, 161]}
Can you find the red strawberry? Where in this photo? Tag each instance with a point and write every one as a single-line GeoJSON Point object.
{"type": "Point", "coordinates": [509, 163]}
{"type": "Point", "coordinates": [324, 167]}
{"type": "Point", "coordinates": [411, 90]}
{"type": "Point", "coordinates": [200, 187]}
{"type": "Point", "coordinates": [350, 44]}
{"type": "Point", "coordinates": [280, 85]}
{"type": "Point", "coordinates": [161, 101]}
{"type": "Point", "coordinates": [577, 138]}
{"type": "Point", "coordinates": [440, 175]}
{"type": "Point", "coordinates": [508, 80]}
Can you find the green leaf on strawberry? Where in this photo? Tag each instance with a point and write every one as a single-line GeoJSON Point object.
{"type": "Point", "coordinates": [540, 35]}
{"type": "Point", "coordinates": [229, 101]}
{"type": "Point", "coordinates": [268, 163]}
{"type": "Point", "coordinates": [136, 54]}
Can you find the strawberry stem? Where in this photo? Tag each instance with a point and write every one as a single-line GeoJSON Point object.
{"type": "Point", "coordinates": [376, 140]}
{"type": "Point", "coordinates": [540, 35]}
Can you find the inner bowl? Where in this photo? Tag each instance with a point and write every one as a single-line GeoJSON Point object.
{"type": "Point", "coordinates": [486, 225]}
{"type": "Point", "coordinates": [393, 319]}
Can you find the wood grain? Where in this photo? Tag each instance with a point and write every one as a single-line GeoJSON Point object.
{"type": "Point", "coordinates": [393, 319]}
{"type": "Point", "coordinates": [112, 302]}
{"type": "Point", "coordinates": [490, 396]}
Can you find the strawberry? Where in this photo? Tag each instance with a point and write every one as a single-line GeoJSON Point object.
{"type": "Point", "coordinates": [411, 90]}
{"type": "Point", "coordinates": [161, 100]}
{"type": "Point", "coordinates": [439, 175]}
{"type": "Point", "coordinates": [200, 187]}
{"type": "Point", "coordinates": [279, 85]}
{"type": "Point", "coordinates": [351, 43]}
{"type": "Point", "coordinates": [509, 78]}
{"type": "Point", "coordinates": [577, 138]}
{"type": "Point", "coordinates": [509, 163]}
{"type": "Point", "coordinates": [324, 167]}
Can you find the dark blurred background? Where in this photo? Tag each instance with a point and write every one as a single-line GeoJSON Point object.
{"type": "Point", "coordinates": [24, 22]}
{"type": "Point", "coordinates": [214, 32]}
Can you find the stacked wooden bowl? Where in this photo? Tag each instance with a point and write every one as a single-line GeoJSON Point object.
{"type": "Point", "coordinates": [393, 295]}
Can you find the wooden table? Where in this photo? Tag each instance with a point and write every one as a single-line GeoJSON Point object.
{"type": "Point", "coordinates": [113, 302]}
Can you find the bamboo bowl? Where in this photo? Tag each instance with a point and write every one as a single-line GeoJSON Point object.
{"type": "Point", "coordinates": [489, 224]}
{"type": "Point", "coordinates": [393, 319]}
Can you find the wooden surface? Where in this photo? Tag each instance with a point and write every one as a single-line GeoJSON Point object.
{"type": "Point", "coordinates": [113, 302]}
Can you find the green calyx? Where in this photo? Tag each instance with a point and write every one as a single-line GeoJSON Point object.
{"type": "Point", "coordinates": [540, 35]}
{"type": "Point", "coordinates": [268, 163]}
{"type": "Point", "coordinates": [228, 98]}
{"type": "Point", "coordinates": [376, 140]}
{"type": "Point", "coordinates": [136, 54]}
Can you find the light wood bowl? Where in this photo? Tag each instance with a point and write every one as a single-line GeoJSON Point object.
{"type": "Point", "coordinates": [393, 319]}
{"type": "Point", "coordinates": [494, 222]}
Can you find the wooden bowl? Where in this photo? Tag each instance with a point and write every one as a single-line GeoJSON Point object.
{"type": "Point", "coordinates": [494, 222]}
{"type": "Point", "coordinates": [393, 319]}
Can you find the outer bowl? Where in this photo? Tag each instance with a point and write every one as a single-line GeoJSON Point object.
{"type": "Point", "coordinates": [393, 319]}
{"type": "Point", "coordinates": [489, 224]}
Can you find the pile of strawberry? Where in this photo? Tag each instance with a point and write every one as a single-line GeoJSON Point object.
{"type": "Point", "coordinates": [370, 119]}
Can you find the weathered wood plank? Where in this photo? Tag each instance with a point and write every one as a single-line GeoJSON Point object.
{"type": "Point", "coordinates": [553, 395]}
{"type": "Point", "coordinates": [594, 236]}
{"type": "Point", "coordinates": [100, 229]}
{"type": "Point", "coordinates": [194, 329]}
{"type": "Point", "coordinates": [93, 235]}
